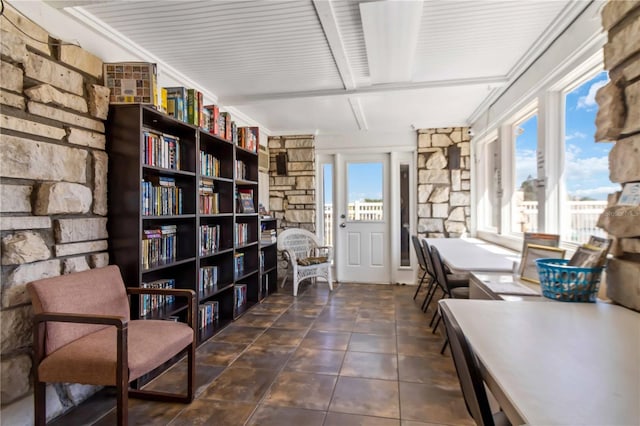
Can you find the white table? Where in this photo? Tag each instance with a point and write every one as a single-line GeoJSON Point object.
{"type": "Point", "coordinates": [557, 363]}
{"type": "Point", "coordinates": [463, 255]}
{"type": "Point", "coordinates": [502, 286]}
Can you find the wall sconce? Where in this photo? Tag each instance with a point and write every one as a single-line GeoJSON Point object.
{"type": "Point", "coordinates": [281, 164]}
{"type": "Point", "coordinates": [453, 154]}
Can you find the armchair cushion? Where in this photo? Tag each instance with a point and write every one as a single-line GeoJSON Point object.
{"type": "Point", "coordinates": [92, 359]}
{"type": "Point", "coordinates": [312, 260]}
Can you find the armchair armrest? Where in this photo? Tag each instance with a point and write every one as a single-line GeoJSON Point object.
{"type": "Point", "coordinates": [325, 251]}
{"type": "Point", "coordinates": [190, 295]}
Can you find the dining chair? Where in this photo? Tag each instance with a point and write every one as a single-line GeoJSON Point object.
{"type": "Point", "coordinates": [422, 262]}
{"type": "Point", "coordinates": [453, 280]}
{"type": "Point", "coordinates": [471, 383]}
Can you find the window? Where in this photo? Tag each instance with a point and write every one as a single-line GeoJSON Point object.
{"type": "Point", "coordinates": [494, 184]}
{"type": "Point", "coordinates": [524, 204]}
{"type": "Point", "coordinates": [405, 255]}
{"type": "Point", "coordinates": [327, 203]}
{"type": "Point", "coordinates": [586, 166]}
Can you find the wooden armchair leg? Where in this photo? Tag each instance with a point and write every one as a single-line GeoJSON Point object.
{"type": "Point", "coordinates": [191, 371]}
{"type": "Point", "coordinates": [122, 406]}
{"type": "Point", "coordinates": [40, 403]}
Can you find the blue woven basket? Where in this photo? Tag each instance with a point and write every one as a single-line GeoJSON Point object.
{"type": "Point", "coordinates": [568, 283]}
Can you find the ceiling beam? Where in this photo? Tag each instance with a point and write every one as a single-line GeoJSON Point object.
{"type": "Point", "coordinates": [490, 82]}
{"type": "Point", "coordinates": [327, 16]}
{"type": "Point", "coordinates": [358, 113]}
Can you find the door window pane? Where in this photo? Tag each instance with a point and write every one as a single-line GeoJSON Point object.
{"type": "Point", "coordinates": [364, 191]}
{"type": "Point", "coordinates": [404, 216]}
{"type": "Point", "coordinates": [327, 203]}
{"type": "Point", "coordinates": [525, 199]}
{"type": "Point", "coordinates": [586, 168]}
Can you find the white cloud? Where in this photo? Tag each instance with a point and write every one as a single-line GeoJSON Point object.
{"type": "Point", "coordinates": [600, 192]}
{"type": "Point", "coordinates": [589, 100]}
{"type": "Point", "coordinates": [585, 168]}
{"type": "Point", "coordinates": [575, 135]}
{"type": "Point", "coordinates": [526, 165]}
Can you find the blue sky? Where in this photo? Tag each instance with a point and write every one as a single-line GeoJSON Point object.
{"type": "Point", "coordinates": [366, 182]}
{"type": "Point", "coordinates": [586, 162]}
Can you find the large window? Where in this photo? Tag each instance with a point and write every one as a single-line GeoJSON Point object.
{"type": "Point", "coordinates": [524, 204]}
{"type": "Point", "coordinates": [586, 166]}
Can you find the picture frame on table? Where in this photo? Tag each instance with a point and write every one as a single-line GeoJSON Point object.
{"type": "Point", "coordinates": [528, 268]}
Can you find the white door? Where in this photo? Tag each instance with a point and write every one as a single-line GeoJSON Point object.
{"type": "Point", "coordinates": [362, 232]}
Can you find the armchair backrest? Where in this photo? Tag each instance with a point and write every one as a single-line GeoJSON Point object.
{"type": "Point", "coordinates": [98, 291]}
{"type": "Point", "coordinates": [300, 242]}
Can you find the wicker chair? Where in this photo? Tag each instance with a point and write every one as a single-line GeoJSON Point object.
{"type": "Point", "coordinates": [306, 255]}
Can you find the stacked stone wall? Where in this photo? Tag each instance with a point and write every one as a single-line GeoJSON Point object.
{"type": "Point", "coordinates": [444, 208]}
{"type": "Point", "coordinates": [53, 194]}
{"type": "Point", "coordinates": [618, 120]}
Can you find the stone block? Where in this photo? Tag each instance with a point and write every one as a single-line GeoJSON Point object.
{"type": "Point", "coordinates": [621, 221]}
{"type": "Point", "coordinates": [74, 264]}
{"type": "Point", "coordinates": [629, 245]}
{"type": "Point", "coordinates": [424, 192]}
{"type": "Point", "coordinates": [47, 71]}
{"type": "Point", "coordinates": [27, 159]}
{"type": "Point", "coordinates": [632, 97]}
{"type": "Point", "coordinates": [436, 161]}
{"type": "Point", "coordinates": [24, 247]}
{"type": "Point", "coordinates": [15, 332]}
{"type": "Point", "coordinates": [299, 143]}
{"type": "Point", "coordinates": [14, 290]}
{"type": "Point", "coordinates": [459, 199]}
{"type": "Point", "coordinates": [433, 176]}
{"type": "Point", "coordinates": [86, 138]}
{"type": "Point", "coordinates": [611, 112]}
{"type": "Point", "coordinates": [100, 170]}
{"type": "Point", "coordinates": [440, 210]}
{"type": "Point", "coordinates": [283, 181]}
{"type": "Point", "coordinates": [424, 210]}
{"type": "Point", "coordinates": [465, 174]}
{"type": "Point", "coordinates": [456, 180]}
{"type": "Point", "coordinates": [624, 160]}
{"type": "Point", "coordinates": [47, 94]}
{"type": "Point", "coordinates": [622, 45]}
{"type": "Point", "coordinates": [430, 225]}
{"type": "Point", "coordinates": [37, 34]}
{"type": "Point", "coordinates": [305, 182]}
{"type": "Point", "coordinates": [15, 377]}
{"type": "Point", "coordinates": [614, 11]}
{"type": "Point", "coordinates": [456, 136]}
{"type": "Point", "coordinates": [78, 248]}
{"type": "Point", "coordinates": [424, 140]}
{"type": "Point", "coordinates": [80, 59]}
{"type": "Point", "coordinates": [631, 71]}
{"type": "Point", "coordinates": [80, 229]}
{"type": "Point", "coordinates": [274, 144]}
{"type": "Point", "coordinates": [466, 185]}
{"type": "Point", "coordinates": [31, 127]}
{"type": "Point", "coordinates": [301, 216]}
{"type": "Point", "coordinates": [300, 154]}
{"type": "Point", "coordinates": [98, 101]}
{"type": "Point", "coordinates": [11, 99]}
{"type": "Point", "coordinates": [15, 198]}
{"type": "Point", "coordinates": [623, 285]}
{"type": "Point", "coordinates": [62, 198]}
{"type": "Point", "coordinates": [11, 77]}
{"type": "Point", "coordinates": [457, 214]}
{"type": "Point", "coordinates": [99, 260]}
{"type": "Point", "coordinates": [444, 130]}
{"type": "Point", "coordinates": [301, 166]}
{"type": "Point", "coordinates": [441, 140]}
{"type": "Point", "coordinates": [440, 195]}
{"type": "Point", "coordinates": [24, 222]}
{"type": "Point", "coordinates": [78, 393]}
{"type": "Point", "coordinates": [465, 148]}
{"type": "Point", "coordinates": [301, 199]}
{"type": "Point", "coordinates": [275, 204]}
{"type": "Point", "coordinates": [12, 46]}
{"type": "Point", "coordinates": [64, 116]}
{"type": "Point", "coordinates": [455, 227]}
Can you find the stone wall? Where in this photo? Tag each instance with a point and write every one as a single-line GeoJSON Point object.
{"type": "Point", "coordinates": [444, 208]}
{"type": "Point", "coordinates": [53, 176]}
{"type": "Point", "coordinates": [292, 196]}
{"type": "Point", "coordinates": [618, 120]}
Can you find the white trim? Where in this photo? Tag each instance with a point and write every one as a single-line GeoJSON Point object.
{"type": "Point", "coordinates": [358, 113]}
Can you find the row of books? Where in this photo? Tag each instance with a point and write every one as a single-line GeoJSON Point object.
{"type": "Point", "coordinates": [593, 254]}
{"type": "Point", "coordinates": [209, 239]}
{"type": "Point", "coordinates": [248, 138]}
{"type": "Point", "coordinates": [238, 265]}
{"type": "Point", "coordinates": [268, 236]}
{"type": "Point", "coordinates": [241, 170]}
{"type": "Point", "coordinates": [149, 302]}
{"type": "Point", "coordinates": [208, 313]}
{"type": "Point", "coordinates": [241, 233]}
{"type": "Point", "coordinates": [241, 294]}
{"type": "Point", "coordinates": [244, 200]}
{"type": "Point", "coordinates": [208, 279]}
{"type": "Point", "coordinates": [209, 165]}
{"type": "Point", "coordinates": [159, 245]}
{"type": "Point", "coordinates": [209, 200]}
{"type": "Point", "coordinates": [161, 196]}
{"type": "Point", "coordinates": [161, 150]}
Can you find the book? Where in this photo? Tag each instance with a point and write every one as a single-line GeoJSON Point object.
{"type": "Point", "coordinates": [177, 102]}
{"type": "Point", "coordinates": [245, 201]}
{"type": "Point", "coordinates": [214, 124]}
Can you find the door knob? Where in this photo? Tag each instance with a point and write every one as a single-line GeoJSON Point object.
{"type": "Point", "coordinates": [343, 225]}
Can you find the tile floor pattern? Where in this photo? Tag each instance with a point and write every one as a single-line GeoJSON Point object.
{"type": "Point", "coordinates": [361, 355]}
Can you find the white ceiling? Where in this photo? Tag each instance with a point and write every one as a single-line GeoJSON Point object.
{"type": "Point", "coordinates": [302, 66]}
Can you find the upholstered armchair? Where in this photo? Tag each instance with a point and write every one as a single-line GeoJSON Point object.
{"type": "Point", "coordinates": [83, 334]}
{"type": "Point", "coordinates": [306, 255]}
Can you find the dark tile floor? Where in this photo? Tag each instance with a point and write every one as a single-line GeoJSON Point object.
{"type": "Point", "coordinates": [361, 355]}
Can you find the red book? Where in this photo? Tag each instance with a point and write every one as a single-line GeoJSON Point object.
{"type": "Point", "coordinates": [214, 128]}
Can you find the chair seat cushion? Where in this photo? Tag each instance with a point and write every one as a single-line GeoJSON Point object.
{"type": "Point", "coordinates": [460, 293]}
{"type": "Point", "coordinates": [458, 280]}
{"type": "Point", "coordinates": [312, 260]}
{"type": "Point", "coordinates": [92, 359]}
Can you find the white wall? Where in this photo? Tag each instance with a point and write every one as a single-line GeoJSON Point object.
{"type": "Point", "coordinates": [367, 142]}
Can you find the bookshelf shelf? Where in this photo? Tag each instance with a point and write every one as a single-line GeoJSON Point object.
{"type": "Point", "coordinates": [268, 257]}
{"type": "Point", "coordinates": [195, 176]}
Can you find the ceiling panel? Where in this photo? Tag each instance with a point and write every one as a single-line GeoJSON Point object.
{"type": "Point", "coordinates": [231, 47]}
{"type": "Point", "coordinates": [348, 18]}
{"type": "Point", "coordinates": [466, 39]}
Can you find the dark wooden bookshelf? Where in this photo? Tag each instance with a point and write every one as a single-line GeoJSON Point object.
{"type": "Point", "coordinates": [126, 142]}
{"type": "Point", "coordinates": [269, 253]}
